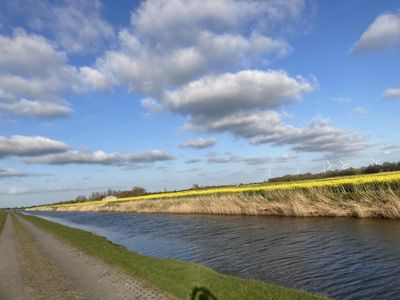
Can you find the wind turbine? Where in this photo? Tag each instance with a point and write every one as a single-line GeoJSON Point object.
{"type": "Point", "coordinates": [269, 175]}
{"type": "Point", "coordinates": [345, 165]}
{"type": "Point", "coordinates": [329, 168]}
{"type": "Point", "coordinates": [375, 161]}
{"type": "Point", "coordinates": [298, 171]}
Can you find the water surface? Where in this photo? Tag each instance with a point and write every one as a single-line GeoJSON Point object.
{"type": "Point", "coordinates": [340, 257]}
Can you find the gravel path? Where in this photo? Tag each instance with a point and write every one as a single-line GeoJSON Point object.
{"type": "Point", "coordinates": [36, 265]}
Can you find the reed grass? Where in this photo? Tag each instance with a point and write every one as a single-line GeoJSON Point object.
{"type": "Point", "coordinates": [361, 201]}
{"type": "Point", "coordinates": [386, 180]}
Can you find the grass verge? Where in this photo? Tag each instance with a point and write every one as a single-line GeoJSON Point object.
{"type": "Point", "coordinates": [3, 216]}
{"type": "Point", "coordinates": [177, 278]}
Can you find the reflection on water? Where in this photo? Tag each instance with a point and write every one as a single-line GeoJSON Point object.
{"type": "Point", "coordinates": [342, 258]}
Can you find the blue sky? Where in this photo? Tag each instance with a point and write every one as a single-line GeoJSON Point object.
{"type": "Point", "coordinates": [166, 94]}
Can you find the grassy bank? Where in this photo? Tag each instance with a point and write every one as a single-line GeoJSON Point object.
{"type": "Point", "coordinates": [3, 216]}
{"type": "Point", "coordinates": [177, 278]}
{"type": "Point", "coordinates": [365, 196]}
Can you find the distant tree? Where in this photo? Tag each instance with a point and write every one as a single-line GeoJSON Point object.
{"type": "Point", "coordinates": [138, 191]}
{"type": "Point", "coordinates": [195, 186]}
{"type": "Point", "coordinates": [81, 198]}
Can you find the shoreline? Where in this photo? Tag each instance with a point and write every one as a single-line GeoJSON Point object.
{"type": "Point", "coordinates": [176, 278]}
{"type": "Point", "coordinates": [360, 196]}
{"type": "Point", "coordinates": [314, 202]}
{"type": "Point", "coordinates": [39, 265]}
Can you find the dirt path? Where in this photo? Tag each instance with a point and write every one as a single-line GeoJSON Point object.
{"type": "Point", "coordinates": [36, 265]}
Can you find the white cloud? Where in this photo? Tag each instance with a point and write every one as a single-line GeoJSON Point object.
{"type": "Point", "coordinates": [199, 143]}
{"type": "Point", "coordinates": [100, 158]}
{"type": "Point", "coordinates": [227, 93]}
{"type": "Point", "coordinates": [170, 43]}
{"type": "Point", "coordinates": [193, 161]}
{"type": "Point", "coordinates": [359, 111]}
{"type": "Point", "coordinates": [33, 75]}
{"type": "Point", "coordinates": [246, 105]}
{"type": "Point", "coordinates": [257, 160]}
{"type": "Point", "coordinates": [392, 93]}
{"type": "Point", "coordinates": [19, 145]}
{"type": "Point", "coordinates": [30, 108]}
{"type": "Point", "coordinates": [223, 159]}
{"type": "Point", "coordinates": [9, 173]}
{"type": "Point", "coordinates": [264, 127]}
{"type": "Point", "coordinates": [342, 100]}
{"type": "Point", "coordinates": [20, 190]}
{"type": "Point", "coordinates": [229, 158]}
{"type": "Point", "coordinates": [153, 106]}
{"type": "Point", "coordinates": [166, 19]}
{"type": "Point", "coordinates": [41, 150]}
{"type": "Point", "coordinates": [15, 190]}
{"type": "Point", "coordinates": [285, 158]}
{"type": "Point", "coordinates": [93, 78]}
{"type": "Point", "coordinates": [76, 25]}
{"type": "Point", "coordinates": [390, 149]}
{"type": "Point", "coordinates": [383, 33]}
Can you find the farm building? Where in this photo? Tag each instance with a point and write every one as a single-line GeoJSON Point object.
{"type": "Point", "coordinates": [110, 198]}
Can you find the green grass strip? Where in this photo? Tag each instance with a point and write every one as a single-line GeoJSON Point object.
{"type": "Point", "coordinates": [3, 216]}
{"type": "Point", "coordinates": [181, 279]}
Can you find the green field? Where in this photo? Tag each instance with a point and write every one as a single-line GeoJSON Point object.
{"type": "Point", "coordinates": [177, 278]}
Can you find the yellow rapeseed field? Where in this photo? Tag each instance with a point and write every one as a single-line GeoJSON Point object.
{"type": "Point", "coordinates": [380, 179]}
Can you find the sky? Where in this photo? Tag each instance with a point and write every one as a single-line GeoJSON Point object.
{"type": "Point", "coordinates": [164, 94]}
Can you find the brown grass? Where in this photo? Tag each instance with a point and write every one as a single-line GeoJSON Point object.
{"type": "Point", "coordinates": [363, 202]}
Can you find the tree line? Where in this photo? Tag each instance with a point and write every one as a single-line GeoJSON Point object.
{"type": "Point", "coordinates": [374, 168]}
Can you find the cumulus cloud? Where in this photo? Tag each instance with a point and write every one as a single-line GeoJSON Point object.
{"type": "Point", "coordinates": [19, 145]}
{"type": "Point", "coordinates": [392, 93]}
{"type": "Point", "coordinates": [264, 127]}
{"type": "Point", "coordinates": [169, 43]}
{"type": "Point", "coordinates": [230, 92]}
{"type": "Point", "coordinates": [30, 108]}
{"type": "Point", "coordinates": [76, 25]}
{"type": "Point", "coordinates": [383, 33]}
{"type": "Point", "coordinates": [246, 104]}
{"type": "Point", "coordinates": [42, 150]}
{"type": "Point", "coordinates": [100, 158]}
{"type": "Point", "coordinates": [33, 75]}
{"type": "Point", "coordinates": [199, 143]}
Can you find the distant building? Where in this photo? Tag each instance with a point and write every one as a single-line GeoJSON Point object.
{"type": "Point", "coordinates": [110, 198]}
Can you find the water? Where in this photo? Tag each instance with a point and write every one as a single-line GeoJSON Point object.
{"type": "Point", "coordinates": [339, 257]}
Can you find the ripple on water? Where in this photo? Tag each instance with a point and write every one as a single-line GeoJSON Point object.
{"type": "Point", "coordinates": [339, 257]}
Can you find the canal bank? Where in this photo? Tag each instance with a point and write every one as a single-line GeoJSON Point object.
{"type": "Point", "coordinates": [160, 276]}
{"type": "Point", "coordinates": [344, 258]}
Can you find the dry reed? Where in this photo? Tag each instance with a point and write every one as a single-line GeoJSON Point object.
{"type": "Point", "coordinates": [360, 202]}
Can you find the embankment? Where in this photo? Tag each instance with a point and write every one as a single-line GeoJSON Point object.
{"type": "Point", "coordinates": [180, 279]}
{"type": "Point", "coordinates": [364, 201]}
